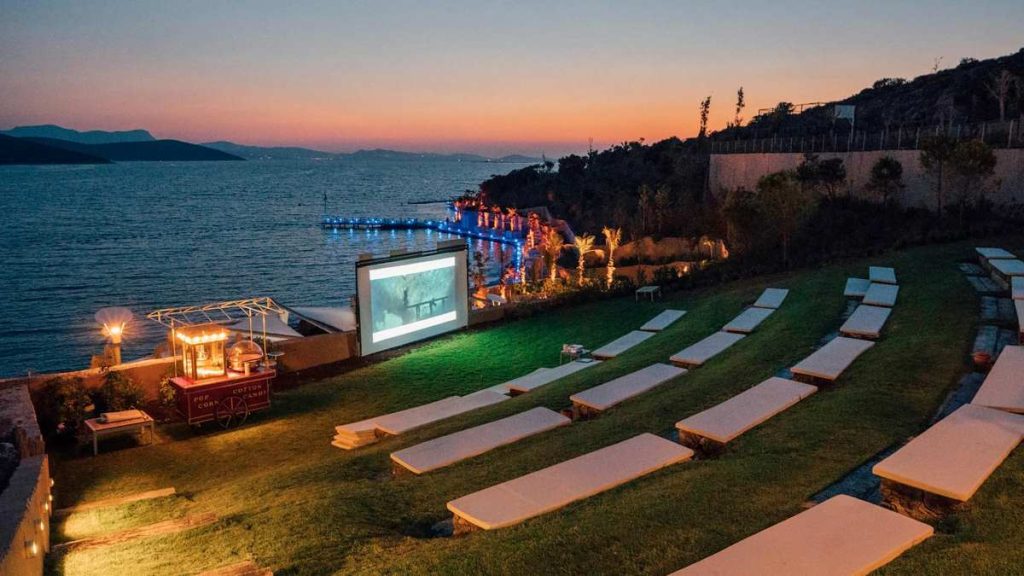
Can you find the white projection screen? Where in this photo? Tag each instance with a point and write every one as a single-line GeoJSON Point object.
{"type": "Point", "coordinates": [411, 297]}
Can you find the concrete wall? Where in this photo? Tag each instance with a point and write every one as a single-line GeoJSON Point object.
{"type": "Point", "coordinates": [25, 519]}
{"type": "Point", "coordinates": [731, 171]}
{"type": "Point", "coordinates": [319, 350]}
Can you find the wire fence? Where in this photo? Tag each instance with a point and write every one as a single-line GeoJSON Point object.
{"type": "Point", "coordinates": [1009, 134]}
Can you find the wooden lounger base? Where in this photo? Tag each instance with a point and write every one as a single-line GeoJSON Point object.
{"type": "Point", "coordinates": [917, 503]}
{"type": "Point", "coordinates": [813, 380]}
{"type": "Point", "coordinates": [702, 446]}
{"type": "Point", "coordinates": [461, 527]}
{"type": "Point", "coordinates": [583, 412]}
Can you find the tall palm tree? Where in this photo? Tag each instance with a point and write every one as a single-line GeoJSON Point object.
{"type": "Point", "coordinates": [584, 244]}
{"type": "Point", "coordinates": [552, 247]}
{"type": "Point", "coordinates": [612, 239]}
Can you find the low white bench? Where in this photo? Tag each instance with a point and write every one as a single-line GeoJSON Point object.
{"type": "Point", "coordinates": [1017, 287]}
{"type": "Point", "coordinates": [446, 450]}
{"type": "Point", "coordinates": [651, 291]}
{"type": "Point", "coordinates": [1019, 305]}
{"type": "Point", "coordinates": [709, 430]}
{"type": "Point", "coordinates": [882, 275]}
{"type": "Point", "coordinates": [604, 396]}
{"type": "Point", "coordinates": [663, 320]}
{"type": "Point", "coordinates": [700, 352]}
{"type": "Point", "coordinates": [841, 536]}
{"type": "Point", "coordinates": [881, 295]}
{"type": "Point", "coordinates": [994, 253]}
{"type": "Point", "coordinates": [1009, 267]}
{"type": "Point", "coordinates": [556, 486]}
{"type": "Point", "coordinates": [621, 344]}
{"type": "Point", "coordinates": [856, 287]}
{"type": "Point", "coordinates": [748, 320]}
{"type": "Point", "coordinates": [1003, 388]}
{"type": "Point", "coordinates": [866, 321]}
{"type": "Point", "coordinates": [771, 298]}
{"type": "Point", "coordinates": [952, 459]}
{"type": "Point", "coordinates": [539, 378]}
{"type": "Point", "coordinates": [832, 359]}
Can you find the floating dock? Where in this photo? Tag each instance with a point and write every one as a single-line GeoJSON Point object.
{"type": "Point", "coordinates": [459, 229]}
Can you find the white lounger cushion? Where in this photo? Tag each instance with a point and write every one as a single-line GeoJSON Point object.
{"type": "Point", "coordinates": [441, 452]}
{"type": "Point", "coordinates": [1004, 386]}
{"type": "Point", "coordinates": [539, 378]}
{"type": "Point", "coordinates": [881, 294]}
{"type": "Point", "coordinates": [748, 320]}
{"type": "Point", "coordinates": [957, 454]}
{"type": "Point", "coordinates": [994, 253]}
{"type": "Point", "coordinates": [556, 486]}
{"type": "Point", "coordinates": [610, 393]}
{"type": "Point", "coordinates": [406, 420]}
{"type": "Point", "coordinates": [829, 361]}
{"type": "Point", "coordinates": [866, 321]}
{"type": "Point", "coordinates": [856, 287]}
{"type": "Point", "coordinates": [706, 349]}
{"type": "Point", "coordinates": [882, 275]}
{"type": "Point", "coordinates": [842, 536]}
{"type": "Point", "coordinates": [771, 298]}
{"type": "Point", "coordinates": [726, 421]}
{"type": "Point", "coordinates": [1017, 287]}
{"type": "Point", "coordinates": [1012, 267]}
{"type": "Point", "coordinates": [1019, 305]}
{"type": "Point", "coordinates": [663, 320]}
{"type": "Point", "coordinates": [621, 344]}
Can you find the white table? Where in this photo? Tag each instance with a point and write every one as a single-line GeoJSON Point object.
{"type": "Point", "coordinates": [648, 290]}
{"type": "Point", "coordinates": [135, 425]}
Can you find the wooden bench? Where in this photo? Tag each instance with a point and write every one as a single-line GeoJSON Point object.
{"type": "Point", "coordinates": [831, 360]}
{"type": "Point", "coordinates": [136, 425]}
{"type": "Point", "coordinates": [621, 344]}
{"type": "Point", "coordinates": [882, 275]}
{"type": "Point", "coordinates": [1003, 388]}
{"type": "Point", "coordinates": [881, 295]}
{"type": "Point", "coordinates": [771, 298]}
{"type": "Point", "coordinates": [841, 536]}
{"type": "Point", "coordinates": [539, 378]}
{"type": "Point", "coordinates": [1008, 268]}
{"type": "Point", "coordinates": [700, 352]}
{"type": "Point", "coordinates": [866, 322]}
{"type": "Point", "coordinates": [748, 320]}
{"type": "Point", "coordinates": [663, 320]}
{"type": "Point", "coordinates": [557, 486]}
{"type": "Point", "coordinates": [856, 287]}
{"type": "Point", "coordinates": [599, 398]}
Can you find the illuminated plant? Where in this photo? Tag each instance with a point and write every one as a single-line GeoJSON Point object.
{"type": "Point", "coordinates": [584, 244]}
{"type": "Point", "coordinates": [612, 239]}
{"type": "Point", "coordinates": [552, 247]}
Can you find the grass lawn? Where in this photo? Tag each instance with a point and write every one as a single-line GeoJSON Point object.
{"type": "Point", "coordinates": [294, 504]}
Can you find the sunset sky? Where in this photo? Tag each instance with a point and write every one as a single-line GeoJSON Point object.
{"type": "Point", "coordinates": [491, 77]}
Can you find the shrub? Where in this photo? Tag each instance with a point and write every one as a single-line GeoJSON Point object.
{"type": "Point", "coordinates": [63, 405]}
{"type": "Point", "coordinates": [118, 392]}
{"type": "Point", "coordinates": [168, 395]}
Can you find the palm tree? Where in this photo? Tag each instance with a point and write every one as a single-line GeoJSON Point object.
{"type": "Point", "coordinates": [612, 239]}
{"type": "Point", "coordinates": [584, 244]}
{"type": "Point", "coordinates": [552, 247]}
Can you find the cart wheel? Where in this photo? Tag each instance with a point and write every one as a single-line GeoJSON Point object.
{"type": "Point", "coordinates": [232, 411]}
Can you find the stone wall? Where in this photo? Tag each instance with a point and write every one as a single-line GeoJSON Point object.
{"type": "Point", "coordinates": [731, 171]}
{"type": "Point", "coordinates": [25, 518]}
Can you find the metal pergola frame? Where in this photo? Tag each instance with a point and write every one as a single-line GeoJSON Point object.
{"type": "Point", "coordinates": [216, 313]}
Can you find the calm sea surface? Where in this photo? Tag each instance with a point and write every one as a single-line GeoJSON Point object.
{"type": "Point", "coordinates": [74, 239]}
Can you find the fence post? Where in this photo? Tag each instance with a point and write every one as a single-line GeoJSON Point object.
{"type": "Point", "coordinates": [984, 129]}
{"type": "Point", "coordinates": [899, 138]}
{"type": "Point", "coordinates": [917, 138]}
{"type": "Point", "coordinates": [1009, 136]}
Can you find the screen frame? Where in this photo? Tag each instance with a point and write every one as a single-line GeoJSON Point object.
{"type": "Point", "coordinates": [364, 304]}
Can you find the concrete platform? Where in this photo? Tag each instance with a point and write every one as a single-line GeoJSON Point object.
{"type": "Point", "coordinates": [621, 344]}
{"type": "Point", "coordinates": [726, 421]}
{"type": "Point", "coordinates": [881, 295]}
{"type": "Point", "coordinates": [1019, 306]}
{"type": "Point", "coordinates": [556, 486]}
{"type": "Point", "coordinates": [956, 455]}
{"type": "Point", "coordinates": [1008, 268]}
{"type": "Point", "coordinates": [771, 298]}
{"type": "Point", "coordinates": [1003, 388]}
{"type": "Point", "coordinates": [994, 253]}
{"type": "Point", "coordinates": [663, 320]}
{"type": "Point", "coordinates": [706, 349]}
{"type": "Point", "coordinates": [748, 320]}
{"type": "Point", "coordinates": [539, 378]}
{"type": "Point", "coordinates": [842, 536]}
{"type": "Point", "coordinates": [856, 287]}
{"type": "Point", "coordinates": [406, 420]}
{"type": "Point", "coordinates": [604, 396]}
{"type": "Point", "coordinates": [1017, 288]}
{"type": "Point", "coordinates": [882, 275]}
{"type": "Point", "coordinates": [446, 450]}
{"type": "Point", "coordinates": [832, 359]}
{"type": "Point", "coordinates": [866, 321]}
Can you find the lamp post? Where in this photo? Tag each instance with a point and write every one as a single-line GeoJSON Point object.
{"type": "Point", "coordinates": [114, 321]}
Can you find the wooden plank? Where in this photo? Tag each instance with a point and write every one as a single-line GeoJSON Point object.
{"type": "Point", "coordinates": [158, 529]}
{"type": "Point", "coordinates": [115, 501]}
{"type": "Point", "coordinates": [244, 568]}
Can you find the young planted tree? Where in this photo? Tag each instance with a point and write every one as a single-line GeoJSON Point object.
{"type": "Point", "coordinates": [584, 244]}
{"type": "Point", "coordinates": [737, 120]}
{"type": "Point", "coordinates": [936, 152]}
{"type": "Point", "coordinates": [662, 207]}
{"type": "Point", "coordinates": [644, 201]}
{"type": "Point", "coordinates": [972, 164]}
{"type": "Point", "coordinates": [705, 110]}
{"type": "Point", "coordinates": [612, 239]}
{"type": "Point", "coordinates": [886, 180]}
{"type": "Point", "coordinates": [1000, 88]}
{"type": "Point", "coordinates": [786, 206]}
{"type": "Point", "coordinates": [552, 247]}
{"type": "Point", "coordinates": [823, 177]}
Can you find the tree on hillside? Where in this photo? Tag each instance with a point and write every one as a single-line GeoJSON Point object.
{"type": "Point", "coordinates": [612, 239]}
{"type": "Point", "coordinates": [787, 204]}
{"type": "Point", "coordinates": [740, 105]}
{"type": "Point", "coordinates": [705, 110]}
{"type": "Point", "coordinates": [824, 177]}
{"type": "Point", "coordinates": [584, 244]}
{"type": "Point", "coordinates": [744, 218]}
{"type": "Point", "coordinates": [886, 180]}
{"type": "Point", "coordinates": [1000, 88]}
{"type": "Point", "coordinates": [662, 207]}
{"type": "Point", "coordinates": [552, 247]}
{"type": "Point", "coordinates": [972, 165]}
{"type": "Point", "coordinates": [644, 204]}
{"type": "Point", "coordinates": [936, 152]}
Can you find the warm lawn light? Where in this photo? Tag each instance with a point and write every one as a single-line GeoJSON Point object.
{"type": "Point", "coordinates": [31, 548]}
{"type": "Point", "coordinates": [114, 321]}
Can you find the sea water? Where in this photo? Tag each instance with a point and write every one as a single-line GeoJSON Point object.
{"type": "Point", "coordinates": [148, 235]}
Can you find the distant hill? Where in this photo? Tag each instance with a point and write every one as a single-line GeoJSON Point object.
{"type": "Point", "coordinates": [90, 137]}
{"type": "Point", "coordinates": [270, 152]}
{"type": "Point", "coordinates": [21, 151]}
{"type": "Point", "coordinates": [156, 150]}
{"type": "Point", "coordinates": [298, 153]}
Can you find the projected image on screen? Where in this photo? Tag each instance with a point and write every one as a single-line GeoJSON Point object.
{"type": "Point", "coordinates": [412, 297]}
